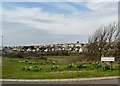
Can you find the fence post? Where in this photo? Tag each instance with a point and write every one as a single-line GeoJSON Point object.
{"type": "Point", "coordinates": [102, 65]}
{"type": "Point", "coordinates": [111, 65]}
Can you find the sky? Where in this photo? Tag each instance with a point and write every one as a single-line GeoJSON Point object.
{"type": "Point", "coordinates": [36, 23]}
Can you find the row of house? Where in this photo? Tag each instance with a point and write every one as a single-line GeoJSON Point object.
{"type": "Point", "coordinates": [73, 47]}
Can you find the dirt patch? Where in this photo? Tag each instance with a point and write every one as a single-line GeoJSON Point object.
{"type": "Point", "coordinates": [84, 58]}
{"type": "Point", "coordinates": [58, 59]}
{"type": "Point", "coordinates": [37, 58]}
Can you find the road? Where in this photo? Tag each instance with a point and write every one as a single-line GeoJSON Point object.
{"type": "Point", "coordinates": [105, 81]}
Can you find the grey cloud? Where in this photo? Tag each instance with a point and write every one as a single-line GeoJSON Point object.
{"type": "Point", "coordinates": [20, 28]}
{"type": "Point", "coordinates": [19, 34]}
{"type": "Point", "coordinates": [45, 20]}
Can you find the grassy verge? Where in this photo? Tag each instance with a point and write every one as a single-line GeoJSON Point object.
{"type": "Point", "coordinates": [13, 69]}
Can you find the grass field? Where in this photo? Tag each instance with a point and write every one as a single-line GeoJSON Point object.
{"type": "Point", "coordinates": [13, 68]}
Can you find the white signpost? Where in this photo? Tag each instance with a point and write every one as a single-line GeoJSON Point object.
{"type": "Point", "coordinates": [107, 59]}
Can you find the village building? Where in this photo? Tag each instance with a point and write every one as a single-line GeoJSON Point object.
{"type": "Point", "coordinates": [71, 47]}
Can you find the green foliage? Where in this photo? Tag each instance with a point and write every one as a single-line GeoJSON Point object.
{"type": "Point", "coordinates": [30, 62]}
{"type": "Point", "coordinates": [24, 68]}
{"type": "Point", "coordinates": [47, 62]}
{"type": "Point", "coordinates": [34, 68]}
{"type": "Point", "coordinates": [69, 66]}
{"type": "Point", "coordinates": [13, 68]}
{"type": "Point", "coordinates": [80, 66]}
{"type": "Point", "coordinates": [23, 61]}
{"type": "Point", "coordinates": [106, 66]}
{"type": "Point", "coordinates": [96, 65]}
{"type": "Point", "coordinates": [41, 63]}
{"type": "Point", "coordinates": [54, 67]}
{"type": "Point", "coordinates": [53, 62]}
{"type": "Point", "coordinates": [75, 67]}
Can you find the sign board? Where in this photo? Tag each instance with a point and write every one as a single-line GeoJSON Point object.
{"type": "Point", "coordinates": [107, 58]}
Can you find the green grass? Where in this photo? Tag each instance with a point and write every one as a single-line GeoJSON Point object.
{"type": "Point", "coordinates": [13, 69]}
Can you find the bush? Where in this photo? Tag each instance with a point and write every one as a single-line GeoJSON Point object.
{"type": "Point", "coordinates": [75, 67]}
{"type": "Point", "coordinates": [14, 55]}
{"type": "Point", "coordinates": [47, 62]}
{"type": "Point", "coordinates": [29, 68]}
{"type": "Point", "coordinates": [96, 65]}
{"type": "Point", "coordinates": [31, 62]}
{"type": "Point", "coordinates": [69, 66]}
{"type": "Point", "coordinates": [53, 63]}
{"type": "Point", "coordinates": [24, 68]}
{"type": "Point", "coordinates": [23, 61]}
{"type": "Point", "coordinates": [54, 67]}
{"type": "Point", "coordinates": [80, 66]}
{"type": "Point", "coordinates": [106, 66]}
{"type": "Point", "coordinates": [37, 69]}
{"type": "Point", "coordinates": [41, 63]}
{"type": "Point", "coordinates": [34, 68]}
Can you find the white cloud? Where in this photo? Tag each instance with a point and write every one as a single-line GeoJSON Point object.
{"type": "Point", "coordinates": [102, 6]}
{"type": "Point", "coordinates": [0, 24]}
{"type": "Point", "coordinates": [76, 24]}
{"type": "Point", "coordinates": [59, 0]}
{"type": "Point", "coordinates": [64, 6]}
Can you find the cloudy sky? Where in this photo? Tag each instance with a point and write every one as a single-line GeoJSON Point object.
{"type": "Point", "coordinates": [34, 23]}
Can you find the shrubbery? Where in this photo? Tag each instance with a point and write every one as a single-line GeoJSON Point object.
{"type": "Point", "coordinates": [34, 68]}
{"type": "Point", "coordinates": [74, 67]}
{"type": "Point", "coordinates": [27, 55]}
{"type": "Point", "coordinates": [98, 65]}
{"type": "Point", "coordinates": [54, 67]}
{"type": "Point", "coordinates": [106, 66]}
{"type": "Point", "coordinates": [53, 62]}
{"type": "Point", "coordinates": [23, 61]}
{"type": "Point", "coordinates": [80, 66]}
{"type": "Point", "coordinates": [57, 53]}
